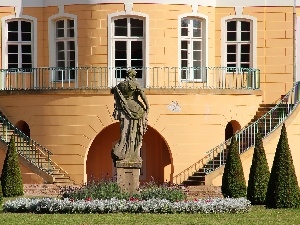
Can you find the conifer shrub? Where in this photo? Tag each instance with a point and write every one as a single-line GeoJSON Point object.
{"type": "Point", "coordinates": [283, 189]}
{"type": "Point", "coordinates": [233, 180]}
{"type": "Point", "coordinates": [259, 174]}
{"type": "Point", "coordinates": [11, 179]}
{"type": "Point", "coordinates": [1, 194]}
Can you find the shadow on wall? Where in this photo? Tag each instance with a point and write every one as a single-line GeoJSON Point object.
{"type": "Point", "coordinates": [231, 128]}
{"type": "Point", "coordinates": [157, 158]}
{"type": "Point", "coordinates": [23, 126]}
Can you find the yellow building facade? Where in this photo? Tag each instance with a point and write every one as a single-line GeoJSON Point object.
{"type": "Point", "coordinates": [185, 55]}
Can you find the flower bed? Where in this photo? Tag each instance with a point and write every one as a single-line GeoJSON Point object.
{"type": "Point", "coordinates": [53, 205]}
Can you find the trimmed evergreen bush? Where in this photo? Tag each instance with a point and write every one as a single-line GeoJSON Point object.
{"type": "Point", "coordinates": [11, 179]}
{"type": "Point", "coordinates": [283, 189]}
{"type": "Point", "coordinates": [233, 180]}
{"type": "Point", "coordinates": [259, 174]}
{"type": "Point", "coordinates": [1, 194]}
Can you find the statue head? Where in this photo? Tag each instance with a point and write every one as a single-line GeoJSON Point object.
{"type": "Point", "coordinates": [131, 73]}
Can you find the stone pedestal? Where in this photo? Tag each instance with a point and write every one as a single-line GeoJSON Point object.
{"type": "Point", "coordinates": [128, 174]}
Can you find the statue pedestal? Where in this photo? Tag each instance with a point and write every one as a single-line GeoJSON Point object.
{"type": "Point", "coordinates": [128, 174]}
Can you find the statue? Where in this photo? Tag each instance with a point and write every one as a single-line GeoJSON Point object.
{"type": "Point", "coordinates": [132, 114]}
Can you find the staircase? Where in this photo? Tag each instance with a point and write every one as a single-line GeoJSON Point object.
{"type": "Point", "coordinates": [266, 120]}
{"type": "Point", "coordinates": [33, 154]}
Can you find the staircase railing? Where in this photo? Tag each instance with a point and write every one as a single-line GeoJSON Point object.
{"type": "Point", "coordinates": [27, 148]}
{"type": "Point", "coordinates": [216, 157]}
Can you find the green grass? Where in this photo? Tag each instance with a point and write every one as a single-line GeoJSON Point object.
{"type": "Point", "coordinates": [257, 216]}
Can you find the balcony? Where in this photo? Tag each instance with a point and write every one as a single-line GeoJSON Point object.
{"type": "Point", "coordinates": [46, 78]}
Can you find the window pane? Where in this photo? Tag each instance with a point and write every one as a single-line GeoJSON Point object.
{"type": "Point", "coordinates": [184, 27]}
{"type": "Point", "coordinates": [71, 45]}
{"type": "Point", "coordinates": [120, 50]}
{"type": "Point", "coordinates": [12, 65]}
{"type": "Point", "coordinates": [197, 55]}
{"type": "Point", "coordinates": [197, 63]}
{"type": "Point", "coordinates": [184, 44]}
{"type": "Point", "coordinates": [60, 28]}
{"type": "Point", "coordinates": [245, 36]}
{"type": "Point", "coordinates": [184, 63]}
{"type": "Point", "coordinates": [197, 28]}
{"type": "Point", "coordinates": [231, 48]}
{"type": "Point", "coordinates": [231, 57]}
{"type": "Point", "coordinates": [231, 26]}
{"type": "Point", "coordinates": [60, 24]}
{"type": "Point", "coordinates": [25, 26]}
{"type": "Point", "coordinates": [121, 27]}
{"type": "Point", "coordinates": [12, 26]}
{"type": "Point", "coordinates": [12, 48]}
{"type": "Point", "coordinates": [61, 55]}
{"type": "Point", "coordinates": [245, 48]}
{"type": "Point", "coordinates": [26, 58]}
{"type": "Point", "coordinates": [60, 46]}
{"type": "Point", "coordinates": [136, 28]}
{"type": "Point", "coordinates": [72, 56]}
{"type": "Point", "coordinates": [136, 50]}
{"type": "Point", "coordinates": [12, 36]}
{"type": "Point", "coordinates": [245, 57]}
{"type": "Point", "coordinates": [196, 45]}
{"type": "Point", "coordinates": [231, 64]}
{"type": "Point", "coordinates": [70, 26]}
{"type": "Point", "coordinates": [12, 58]}
{"type": "Point", "coordinates": [231, 36]}
{"type": "Point", "coordinates": [197, 73]}
{"type": "Point", "coordinates": [245, 26]}
{"type": "Point", "coordinates": [184, 54]}
{"type": "Point", "coordinates": [137, 63]}
{"type": "Point", "coordinates": [26, 36]}
{"type": "Point", "coordinates": [61, 63]}
{"type": "Point", "coordinates": [26, 48]}
{"type": "Point", "coordinates": [245, 65]}
{"type": "Point", "coordinates": [26, 65]}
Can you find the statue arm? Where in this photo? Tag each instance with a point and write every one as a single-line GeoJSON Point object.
{"type": "Point", "coordinates": [144, 99]}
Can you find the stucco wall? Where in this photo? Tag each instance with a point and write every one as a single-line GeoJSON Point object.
{"type": "Point", "coordinates": [67, 122]}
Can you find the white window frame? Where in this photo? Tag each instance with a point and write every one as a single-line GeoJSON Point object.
{"type": "Point", "coordinates": [5, 42]}
{"type": "Point", "coordinates": [112, 81]}
{"type": "Point", "coordinates": [253, 38]}
{"type": "Point", "coordinates": [53, 40]}
{"type": "Point", "coordinates": [204, 45]}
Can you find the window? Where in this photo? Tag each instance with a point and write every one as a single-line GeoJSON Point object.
{"type": "Point", "coordinates": [192, 48]}
{"type": "Point", "coordinates": [239, 43]}
{"type": "Point", "coordinates": [19, 44]}
{"type": "Point", "coordinates": [65, 48]}
{"type": "Point", "coordinates": [128, 46]}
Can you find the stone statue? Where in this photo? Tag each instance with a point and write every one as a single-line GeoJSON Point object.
{"type": "Point", "coordinates": [132, 114]}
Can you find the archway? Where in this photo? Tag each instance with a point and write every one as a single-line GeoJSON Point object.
{"type": "Point", "coordinates": [23, 126]}
{"type": "Point", "coordinates": [157, 160]}
{"type": "Point", "coordinates": [231, 128]}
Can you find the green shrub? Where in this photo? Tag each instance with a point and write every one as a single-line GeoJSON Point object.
{"type": "Point", "coordinates": [11, 179]}
{"type": "Point", "coordinates": [233, 180]}
{"type": "Point", "coordinates": [110, 189]}
{"type": "Point", "coordinates": [283, 189]}
{"type": "Point", "coordinates": [1, 194]}
{"type": "Point", "coordinates": [166, 191]}
{"type": "Point", "coordinates": [95, 190]}
{"type": "Point", "coordinates": [259, 174]}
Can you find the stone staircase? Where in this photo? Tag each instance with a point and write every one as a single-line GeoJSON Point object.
{"type": "Point", "coordinates": [198, 177]}
{"type": "Point", "coordinates": [33, 155]}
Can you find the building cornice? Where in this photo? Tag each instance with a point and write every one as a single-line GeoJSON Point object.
{"type": "Point", "coordinates": [213, 3]}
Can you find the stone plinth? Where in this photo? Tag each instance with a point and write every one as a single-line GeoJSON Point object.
{"type": "Point", "coordinates": [128, 174]}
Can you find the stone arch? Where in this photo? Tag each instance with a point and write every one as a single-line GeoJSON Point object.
{"type": "Point", "coordinates": [158, 159]}
{"type": "Point", "coordinates": [231, 128]}
{"type": "Point", "coordinates": [24, 127]}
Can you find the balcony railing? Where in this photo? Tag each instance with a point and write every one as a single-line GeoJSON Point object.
{"type": "Point", "coordinates": [149, 77]}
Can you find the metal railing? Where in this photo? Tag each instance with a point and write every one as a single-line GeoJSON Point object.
{"type": "Point", "coordinates": [149, 77]}
{"type": "Point", "coordinates": [27, 148]}
{"type": "Point", "coordinates": [216, 157]}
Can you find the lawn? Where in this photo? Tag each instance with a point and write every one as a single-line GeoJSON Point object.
{"type": "Point", "coordinates": [258, 215]}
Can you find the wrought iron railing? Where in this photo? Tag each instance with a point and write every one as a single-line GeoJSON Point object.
{"type": "Point", "coordinates": [27, 148]}
{"type": "Point", "coordinates": [216, 157]}
{"type": "Point", "coordinates": [149, 77]}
